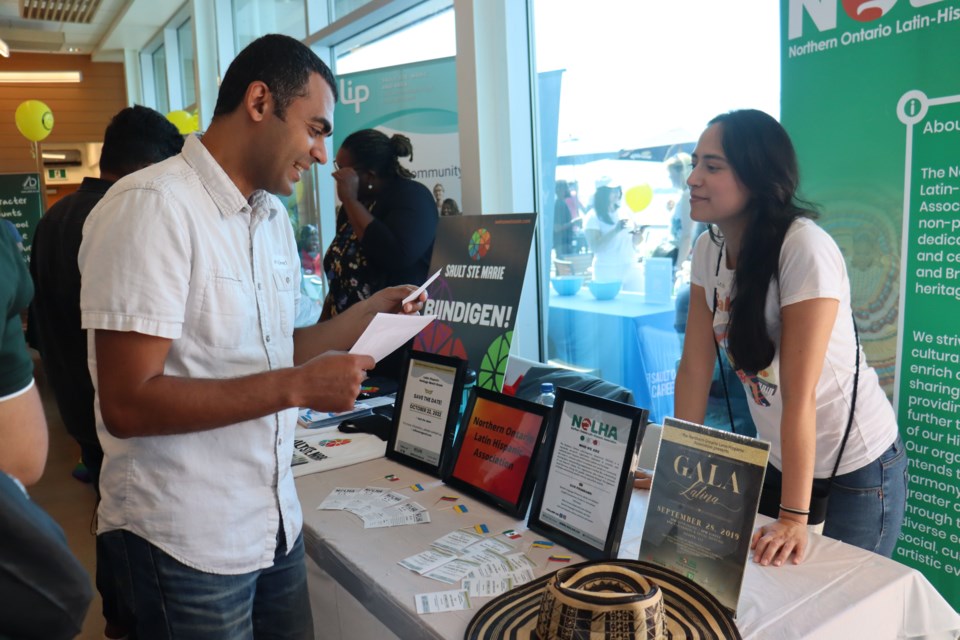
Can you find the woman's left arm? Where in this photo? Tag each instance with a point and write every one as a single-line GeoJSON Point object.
{"type": "Point", "coordinates": [404, 230]}
{"type": "Point", "coordinates": [805, 334]}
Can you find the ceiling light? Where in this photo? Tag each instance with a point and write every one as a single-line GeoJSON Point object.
{"type": "Point", "coordinates": [4, 49]}
{"type": "Point", "coordinates": [49, 155]}
{"type": "Point", "coordinates": [34, 77]}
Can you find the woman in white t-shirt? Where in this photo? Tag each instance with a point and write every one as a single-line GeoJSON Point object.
{"type": "Point", "coordinates": [771, 287]}
{"type": "Point", "coordinates": [609, 237]}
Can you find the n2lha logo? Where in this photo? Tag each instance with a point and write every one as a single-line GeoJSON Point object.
{"type": "Point", "coordinates": [823, 13]}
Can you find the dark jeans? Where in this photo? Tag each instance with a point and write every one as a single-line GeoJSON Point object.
{"type": "Point", "coordinates": [866, 506]}
{"type": "Point", "coordinates": [173, 601]}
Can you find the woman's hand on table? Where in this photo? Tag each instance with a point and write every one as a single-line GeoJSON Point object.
{"type": "Point", "coordinates": [776, 542]}
{"type": "Point", "coordinates": [642, 479]}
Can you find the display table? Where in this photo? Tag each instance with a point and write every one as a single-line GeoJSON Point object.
{"type": "Point", "coordinates": [627, 341]}
{"type": "Point", "coordinates": [358, 590]}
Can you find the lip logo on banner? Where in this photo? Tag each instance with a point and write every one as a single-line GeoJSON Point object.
{"type": "Point", "coordinates": [354, 95]}
{"type": "Point", "coordinates": [479, 244]}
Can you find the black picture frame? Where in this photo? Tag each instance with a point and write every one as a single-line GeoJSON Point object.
{"type": "Point", "coordinates": [408, 410]}
{"type": "Point", "coordinates": [578, 438]}
{"type": "Point", "coordinates": [511, 488]}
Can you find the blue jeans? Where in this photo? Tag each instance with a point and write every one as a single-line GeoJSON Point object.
{"type": "Point", "coordinates": [866, 506]}
{"type": "Point", "coordinates": [174, 601]}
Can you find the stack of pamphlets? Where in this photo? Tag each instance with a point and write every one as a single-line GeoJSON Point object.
{"type": "Point", "coordinates": [311, 419]}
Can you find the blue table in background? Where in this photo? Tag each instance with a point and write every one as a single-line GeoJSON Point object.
{"type": "Point", "coordinates": [626, 341]}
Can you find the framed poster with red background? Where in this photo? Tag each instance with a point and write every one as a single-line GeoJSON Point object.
{"type": "Point", "coordinates": [496, 450]}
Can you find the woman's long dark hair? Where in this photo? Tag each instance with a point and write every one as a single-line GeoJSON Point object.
{"type": "Point", "coordinates": [603, 201]}
{"type": "Point", "coordinates": [373, 150]}
{"type": "Point", "coordinates": [762, 156]}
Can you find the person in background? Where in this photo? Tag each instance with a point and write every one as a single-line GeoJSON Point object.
{"type": "Point", "coordinates": [385, 226]}
{"type": "Point", "coordinates": [311, 261]}
{"type": "Point", "coordinates": [45, 590]}
{"type": "Point", "coordinates": [566, 221]}
{"type": "Point", "coordinates": [136, 137]}
{"type": "Point", "coordinates": [772, 288]}
{"type": "Point", "coordinates": [386, 223]}
{"type": "Point", "coordinates": [438, 192]}
{"type": "Point", "coordinates": [449, 208]}
{"type": "Point", "coordinates": [190, 288]}
{"type": "Point", "coordinates": [683, 229]}
{"type": "Point", "coordinates": [608, 236]}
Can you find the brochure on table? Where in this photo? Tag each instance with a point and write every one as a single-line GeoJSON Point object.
{"type": "Point", "coordinates": [583, 493]}
{"type": "Point", "coordinates": [426, 411]}
{"type": "Point", "coordinates": [703, 504]}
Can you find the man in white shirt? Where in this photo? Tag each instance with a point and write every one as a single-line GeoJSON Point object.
{"type": "Point", "coordinates": [190, 289]}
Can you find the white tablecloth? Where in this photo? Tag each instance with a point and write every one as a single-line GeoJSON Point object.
{"type": "Point", "coordinates": [838, 592]}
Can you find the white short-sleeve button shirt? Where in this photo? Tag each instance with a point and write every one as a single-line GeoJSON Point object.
{"type": "Point", "coordinates": [176, 251]}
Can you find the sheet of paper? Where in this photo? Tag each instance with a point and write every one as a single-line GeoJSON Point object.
{"type": "Point", "coordinates": [450, 572]}
{"type": "Point", "coordinates": [456, 541]}
{"type": "Point", "coordinates": [495, 545]}
{"type": "Point", "coordinates": [492, 569]}
{"type": "Point", "coordinates": [423, 287]}
{"type": "Point", "coordinates": [377, 521]}
{"type": "Point", "coordinates": [425, 561]}
{"type": "Point", "coordinates": [440, 601]}
{"type": "Point", "coordinates": [486, 587]}
{"type": "Point", "coordinates": [339, 498]}
{"type": "Point", "coordinates": [387, 332]}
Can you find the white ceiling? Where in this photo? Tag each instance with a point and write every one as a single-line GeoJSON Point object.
{"type": "Point", "coordinates": [116, 25]}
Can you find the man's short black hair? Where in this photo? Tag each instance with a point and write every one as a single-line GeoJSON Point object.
{"type": "Point", "coordinates": [283, 63]}
{"type": "Point", "coordinates": [136, 138]}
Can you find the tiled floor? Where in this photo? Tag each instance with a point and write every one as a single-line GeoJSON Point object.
{"type": "Point", "coordinates": [70, 502]}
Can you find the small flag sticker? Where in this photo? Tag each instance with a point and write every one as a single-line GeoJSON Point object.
{"type": "Point", "coordinates": [417, 487]}
{"type": "Point", "coordinates": [481, 528]}
{"type": "Point", "coordinates": [461, 508]}
{"type": "Point", "coordinates": [542, 544]}
{"type": "Point", "coordinates": [559, 558]}
{"type": "Point", "coordinates": [510, 533]}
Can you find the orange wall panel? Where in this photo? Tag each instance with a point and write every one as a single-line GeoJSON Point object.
{"type": "Point", "coordinates": [81, 111]}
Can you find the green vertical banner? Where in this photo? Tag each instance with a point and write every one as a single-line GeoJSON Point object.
{"type": "Point", "coordinates": [868, 96]}
{"type": "Point", "coordinates": [418, 100]}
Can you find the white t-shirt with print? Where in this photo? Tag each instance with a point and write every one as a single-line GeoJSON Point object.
{"type": "Point", "coordinates": [811, 266]}
{"type": "Point", "coordinates": [614, 259]}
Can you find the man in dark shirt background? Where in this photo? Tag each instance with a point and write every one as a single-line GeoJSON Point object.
{"type": "Point", "coordinates": [135, 138]}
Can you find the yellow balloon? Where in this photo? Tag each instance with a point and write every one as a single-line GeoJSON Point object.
{"type": "Point", "coordinates": [34, 120]}
{"type": "Point", "coordinates": [184, 122]}
{"type": "Point", "coordinates": [639, 197]}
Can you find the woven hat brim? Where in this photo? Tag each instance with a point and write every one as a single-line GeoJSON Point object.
{"type": "Point", "coordinates": [692, 613]}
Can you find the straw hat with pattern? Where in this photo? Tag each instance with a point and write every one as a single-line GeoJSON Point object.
{"type": "Point", "coordinates": [605, 600]}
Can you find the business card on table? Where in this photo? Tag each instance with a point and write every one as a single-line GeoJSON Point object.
{"type": "Point", "coordinates": [440, 601]}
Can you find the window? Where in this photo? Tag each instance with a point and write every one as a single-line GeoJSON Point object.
{"type": "Point", "coordinates": [187, 61]}
{"type": "Point", "coordinates": [625, 89]}
{"type": "Point", "coordinates": [254, 18]}
{"type": "Point", "coordinates": [159, 66]}
{"type": "Point", "coordinates": [344, 7]}
{"type": "Point", "coordinates": [425, 32]}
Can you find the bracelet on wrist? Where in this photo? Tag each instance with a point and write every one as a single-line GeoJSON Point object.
{"type": "Point", "coordinates": [798, 512]}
